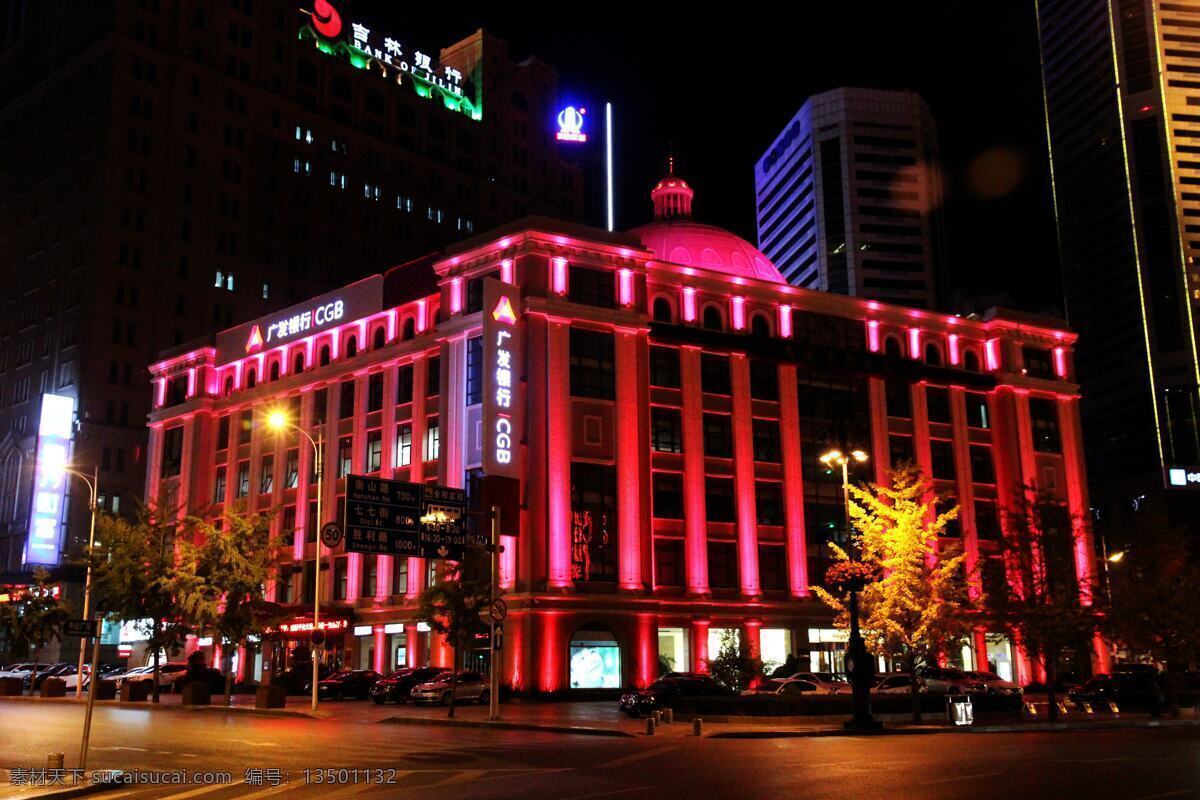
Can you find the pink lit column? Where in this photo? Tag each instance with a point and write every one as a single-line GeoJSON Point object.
{"type": "Point", "coordinates": [1077, 497]}
{"type": "Point", "coordinates": [452, 411]}
{"type": "Point", "coordinates": [357, 467]}
{"type": "Point", "coordinates": [880, 448]}
{"type": "Point", "coordinates": [379, 663]}
{"type": "Point", "coordinates": [793, 482]}
{"type": "Point", "coordinates": [305, 486]}
{"type": "Point", "coordinates": [753, 636]}
{"type": "Point", "coordinates": [646, 665]}
{"type": "Point", "coordinates": [965, 485]}
{"type": "Point", "coordinates": [416, 470]}
{"type": "Point", "coordinates": [630, 446]}
{"type": "Point", "coordinates": [383, 564]}
{"type": "Point", "coordinates": [743, 467]}
{"type": "Point", "coordinates": [558, 454]}
{"type": "Point", "coordinates": [695, 532]}
{"type": "Point", "coordinates": [700, 645]}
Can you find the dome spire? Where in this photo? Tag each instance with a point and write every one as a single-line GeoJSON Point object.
{"type": "Point", "coordinates": [672, 196]}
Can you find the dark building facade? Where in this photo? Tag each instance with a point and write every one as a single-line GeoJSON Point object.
{"type": "Point", "coordinates": [175, 168]}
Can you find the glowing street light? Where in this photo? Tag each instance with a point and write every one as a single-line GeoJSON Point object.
{"type": "Point", "coordinates": [278, 422]}
{"type": "Point", "coordinates": [1117, 557]}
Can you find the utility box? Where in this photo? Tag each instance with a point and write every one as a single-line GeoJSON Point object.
{"type": "Point", "coordinates": [959, 709]}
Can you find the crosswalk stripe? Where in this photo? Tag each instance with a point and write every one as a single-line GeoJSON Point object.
{"type": "Point", "coordinates": [216, 787]}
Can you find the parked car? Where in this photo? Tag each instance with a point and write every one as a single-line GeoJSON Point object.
{"type": "Point", "coordinates": [1134, 669]}
{"type": "Point", "coordinates": [826, 682]}
{"type": "Point", "coordinates": [33, 681]}
{"type": "Point", "coordinates": [121, 677]}
{"type": "Point", "coordinates": [994, 684]}
{"type": "Point", "coordinates": [894, 683]}
{"type": "Point", "coordinates": [21, 669]}
{"type": "Point", "coordinates": [785, 687]}
{"type": "Point", "coordinates": [397, 686]}
{"type": "Point", "coordinates": [1138, 689]}
{"type": "Point", "coordinates": [948, 680]}
{"type": "Point", "coordinates": [298, 680]}
{"type": "Point", "coordinates": [471, 686]}
{"type": "Point", "coordinates": [71, 678]}
{"type": "Point", "coordinates": [348, 683]}
{"type": "Point", "coordinates": [167, 674]}
{"type": "Point", "coordinates": [672, 685]}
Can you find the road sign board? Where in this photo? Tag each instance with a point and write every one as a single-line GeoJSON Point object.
{"type": "Point", "coordinates": [331, 534]}
{"type": "Point", "coordinates": [399, 518]}
{"type": "Point", "coordinates": [498, 638]}
{"type": "Point", "coordinates": [499, 609]}
{"type": "Point", "coordinates": [317, 638]}
{"type": "Point", "coordinates": [79, 627]}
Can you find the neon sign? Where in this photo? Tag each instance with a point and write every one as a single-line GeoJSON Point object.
{"type": "Point", "coordinates": [326, 19]}
{"type": "Point", "coordinates": [570, 125]}
{"type": "Point", "coordinates": [1183, 477]}
{"type": "Point", "coordinates": [44, 545]}
{"type": "Point", "coordinates": [502, 379]}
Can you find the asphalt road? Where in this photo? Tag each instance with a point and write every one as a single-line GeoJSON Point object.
{"type": "Point", "coordinates": [436, 763]}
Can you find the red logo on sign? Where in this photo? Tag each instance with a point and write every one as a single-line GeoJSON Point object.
{"type": "Point", "coordinates": [326, 19]}
{"type": "Point", "coordinates": [504, 312]}
{"type": "Point", "coordinates": [255, 341]}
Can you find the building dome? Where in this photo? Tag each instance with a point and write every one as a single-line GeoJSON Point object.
{"type": "Point", "coordinates": [675, 237]}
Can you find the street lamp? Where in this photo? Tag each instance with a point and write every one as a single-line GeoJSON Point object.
{"type": "Point", "coordinates": [860, 667]}
{"type": "Point", "coordinates": [93, 484]}
{"type": "Point", "coordinates": [279, 422]}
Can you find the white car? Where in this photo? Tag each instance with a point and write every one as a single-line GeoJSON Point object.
{"type": "Point", "coordinates": [995, 684]}
{"type": "Point", "coordinates": [167, 673]}
{"type": "Point", "coordinates": [22, 670]}
{"type": "Point", "coordinates": [823, 682]}
{"type": "Point", "coordinates": [72, 679]}
{"type": "Point", "coordinates": [123, 676]}
{"type": "Point", "coordinates": [893, 683]}
{"type": "Point", "coordinates": [785, 687]}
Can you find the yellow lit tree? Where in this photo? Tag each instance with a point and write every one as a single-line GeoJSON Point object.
{"type": "Point", "coordinates": [918, 609]}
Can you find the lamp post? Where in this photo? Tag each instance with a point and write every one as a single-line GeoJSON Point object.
{"type": "Point", "coordinates": [278, 422]}
{"type": "Point", "coordinates": [860, 667]}
{"type": "Point", "coordinates": [93, 484]}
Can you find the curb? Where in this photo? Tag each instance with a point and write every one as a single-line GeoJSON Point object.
{"type": "Point", "coordinates": [81, 790]}
{"type": "Point", "coordinates": [507, 726]}
{"type": "Point", "coordinates": [1056, 727]}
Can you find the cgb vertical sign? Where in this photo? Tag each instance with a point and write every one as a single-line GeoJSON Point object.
{"type": "Point", "coordinates": [44, 545]}
{"type": "Point", "coordinates": [502, 357]}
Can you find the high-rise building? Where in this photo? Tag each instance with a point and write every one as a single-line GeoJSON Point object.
{"type": "Point", "coordinates": [173, 168]}
{"type": "Point", "coordinates": [848, 197]}
{"type": "Point", "coordinates": [1122, 97]}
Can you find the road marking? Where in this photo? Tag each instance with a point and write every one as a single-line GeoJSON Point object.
{"type": "Point", "coordinates": [266, 792]}
{"type": "Point", "coordinates": [216, 787]}
{"type": "Point", "coordinates": [962, 778]}
{"type": "Point", "coordinates": [130, 749]}
{"type": "Point", "coordinates": [608, 794]}
{"type": "Point", "coordinates": [629, 759]}
{"type": "Point", "coordinates": [465, 776]}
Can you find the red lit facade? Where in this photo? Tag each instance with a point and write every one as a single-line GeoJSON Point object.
{"type": "Point", "coordinates": [675, 396]}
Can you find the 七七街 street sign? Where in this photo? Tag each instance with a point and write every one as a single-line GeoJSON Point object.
{"type": "Point", "coordinates": [400, 518]}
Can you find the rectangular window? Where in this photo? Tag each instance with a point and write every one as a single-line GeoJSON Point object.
{"type": "Point", "coordinates": [291, 478]}
{"type": "Point", "coordinates": [942, 454]}
{"type": "Point", "coordinates": [764, 380]}
{"type": "Point", "coordinates": [375, 392]}
{"type": "Point", "coordinates": [1044, 416]}
{"type": "Point", "coordinates": [977, 410]}
{"type": "Point", "coordinates": [668, 495]}
{"type": "Point", "coordinates": [341, 577]}
{"type": "Point", "coordinates": [899, 399]}
{"type": "Point", "coordinates": [310, 581]}
{"type": "Point", "coordinates": [664, 367]}
{"type": "Point", "coordinates": [345, 455]}
{"type": "Point", "coordinates": [900, 449]}
{"type": "Point", "coordinates": [593, 369]}
{"type": "Point", "coordinates": [982, 468]}
{"type": "Point", "coordinates": [766, 441]}
{"type": "Point", "coordinates": [714, 373]}
{"type": "Point", "coordinates": [772, 567]}
{"type": "Point", "coordinates": [399, 576]}
{"type": "Point", "coordinates": [320, 406]}
{"type": "Point", "coordinates": [666, 430]}
{"type": "Point", "coordinates": [369, 577]}
{"type": "Point", "coordinates": [433, 440]}
{"type": "Point", "coordinates": [594, 512]}
{"type": "Point", "coordinates": [987, 521]}
{"type": "Point", "coordinates": [346, 400]}
{"type": "Point", "coordinates": [223, 433]}
{"type": "Point", "coordinates": [374, 452]}
{"type": "Point", "coordinates": [245, 427]}
{"type": "Point", "coordinates": [243, 479]}
{"type": "Point", "coordinates": [474, 392]}
{"type": "Point", "coordinates": [718, 436]}
{"type": "Point", "coordinates": [1038, 363]}
{"type": "Point", "coordinates": [768, 503]}
{"type": "Point", "coordinates": [219, 486]}
{"type": "Point", "coordinates": [404, 445]}
{"type": "Point", "coordinates": [668, 562]}
{"type": "Point", "coordinates": [718, 499]}
{"type": "Point", "coordinates": [937, 402]}
{"type": "Point", "coordinates": [172, 452]}
{"type": "Point", "coordinates": [433, 378]}
{"type": "Point", "coordinates": [722, 565]}
{"type": "Point", "coordinates": [266, 476]}
{"type": "Point", "coordinates": [592, 287]}
{"type": "Point", "coordinates": [404, 384]}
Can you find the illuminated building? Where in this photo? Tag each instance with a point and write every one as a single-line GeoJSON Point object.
{"type": "Point", "coordinates": [185, 166]}
{"type": "Point", "coordinates": [1121, 88]}
{"type": "Point", "coordinates": [671, 398]}
{"type": "Point", "coordinates": [848, 197]}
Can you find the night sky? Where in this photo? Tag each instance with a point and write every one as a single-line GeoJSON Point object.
{"type": "Point", "coordinates": [719, 83]}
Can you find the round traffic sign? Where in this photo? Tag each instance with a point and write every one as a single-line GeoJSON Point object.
{"type": "Point", "coordinates": [317, 638]}
{"type": "Point", "coordinates": [331, 534]}
{"type": "Point", "coordinates": [499, 610]}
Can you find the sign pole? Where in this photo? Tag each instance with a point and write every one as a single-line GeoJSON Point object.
{"type": "Point", "coordinates": [497, 655]}
{"type": "Point", "coordinates": [318, 460]}
{"type": "Point", "coordinates": [93, 688]}
{"type": "Point", "coordinates": [87, 584]}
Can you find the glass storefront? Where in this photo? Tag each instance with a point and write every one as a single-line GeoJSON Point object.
{"type": "Point", "coordinates": [595, 659]}
{"type": "Point", "coordinates": [1000, 656]}
{"type": "Point", "coordinates": [673, 650]}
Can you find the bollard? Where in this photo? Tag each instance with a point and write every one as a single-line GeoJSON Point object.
{"type": "Point", "coordinates": [656, 716]}
{"type": "Point", "coordinates": [1112, 706]}
{"type": "Point", "coordinates": [650, 726]}
{"type": "Point", "coordinates": [697, 727]}
{"type": "Point", "coordinates": [1062, 708]}
{"type": "Point", "coordinates": [54, 761]}
{"type": "Point", "coordinates": [668, 715]}
{"type": "Point", "coordinates": [1087, 708]}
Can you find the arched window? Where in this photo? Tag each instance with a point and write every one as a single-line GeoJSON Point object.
{"type": "Point", "coordinates": [274, 370]}
{"type": "Point", "coordinates": [759, 326]}
{"type": "Point", "coordinates": [971, 361]}
{"type": "Point", "coordinates": [409, 330]}
{"type": "Point", "coordinates": [380, 338]}
{"type": "Point", "coordinates": [712, 319]}
{"type": "Point", "coordinates": [323, 359]}
{"type": "Point", "coordinates": [228, 385]}
{"type": "Point", "coordinates": [891, 347]}
{"type": "Point", "coordinates": [662, 310]}
{"type": "Point", "coordinates": [298, 364]}
{"type": "Point", "coordinates": [251, 378]}
{"type": "Point", "coordinates": [352, 347]}
{"type": "Point", "coordinates": [933, 355]}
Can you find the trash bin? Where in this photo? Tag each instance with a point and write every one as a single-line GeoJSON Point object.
{"type": "Point", "coordinates": [959, 709]}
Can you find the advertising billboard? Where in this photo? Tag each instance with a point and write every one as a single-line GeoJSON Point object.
{"type": "Point", "coordinates": [45, 542]}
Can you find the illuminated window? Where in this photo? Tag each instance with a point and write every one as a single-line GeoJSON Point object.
{"type": "Point", "coordinates": [374, 454]}
{"type": "Point", "coordinates": [433, 440]}
{"type": "Point", "coordinates": [474, 390]}
{"type": "Point", "coordinates": [666, 430]}
{"type": "Point", "coordinates": [266, 476]}
{"type": "Point", "coordinates": [664, 367]}
{"type": "Point", "coordinates": [594, 515]}
{"type": "Point", "coordinates": [345, 456]}
{"type": "Point", "coordinates": [404, 445]}
{"type": "Point", "coordinates": [243, 479]}
{"type": "Point", "coordinates": [977, 410]}
{"type": "Point", "coordinates": [219, 486]}
{"type": "Point", "coordinates": [291, 477]}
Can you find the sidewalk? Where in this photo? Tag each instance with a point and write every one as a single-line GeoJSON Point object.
{"type": "Point", "coordinates": [43, 784]}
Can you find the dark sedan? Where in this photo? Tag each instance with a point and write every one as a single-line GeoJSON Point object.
{"type": "Point", "coordinates": [395, 688]}
{"type": "Point", "coordinates": [1132, 690]}
{"type": "Point", "coordinates": [348, 683]}
{"type": "Point", "coordinates": [643, 702]}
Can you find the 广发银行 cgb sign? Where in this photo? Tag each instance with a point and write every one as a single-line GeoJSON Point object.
{"type": "Point", "coordinates": [502, 359]}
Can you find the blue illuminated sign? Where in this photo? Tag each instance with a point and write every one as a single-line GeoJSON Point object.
{"type": "Point", "coordinates": [570, 125]}
{"type": "Point", "coordinates": [44, 545]}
